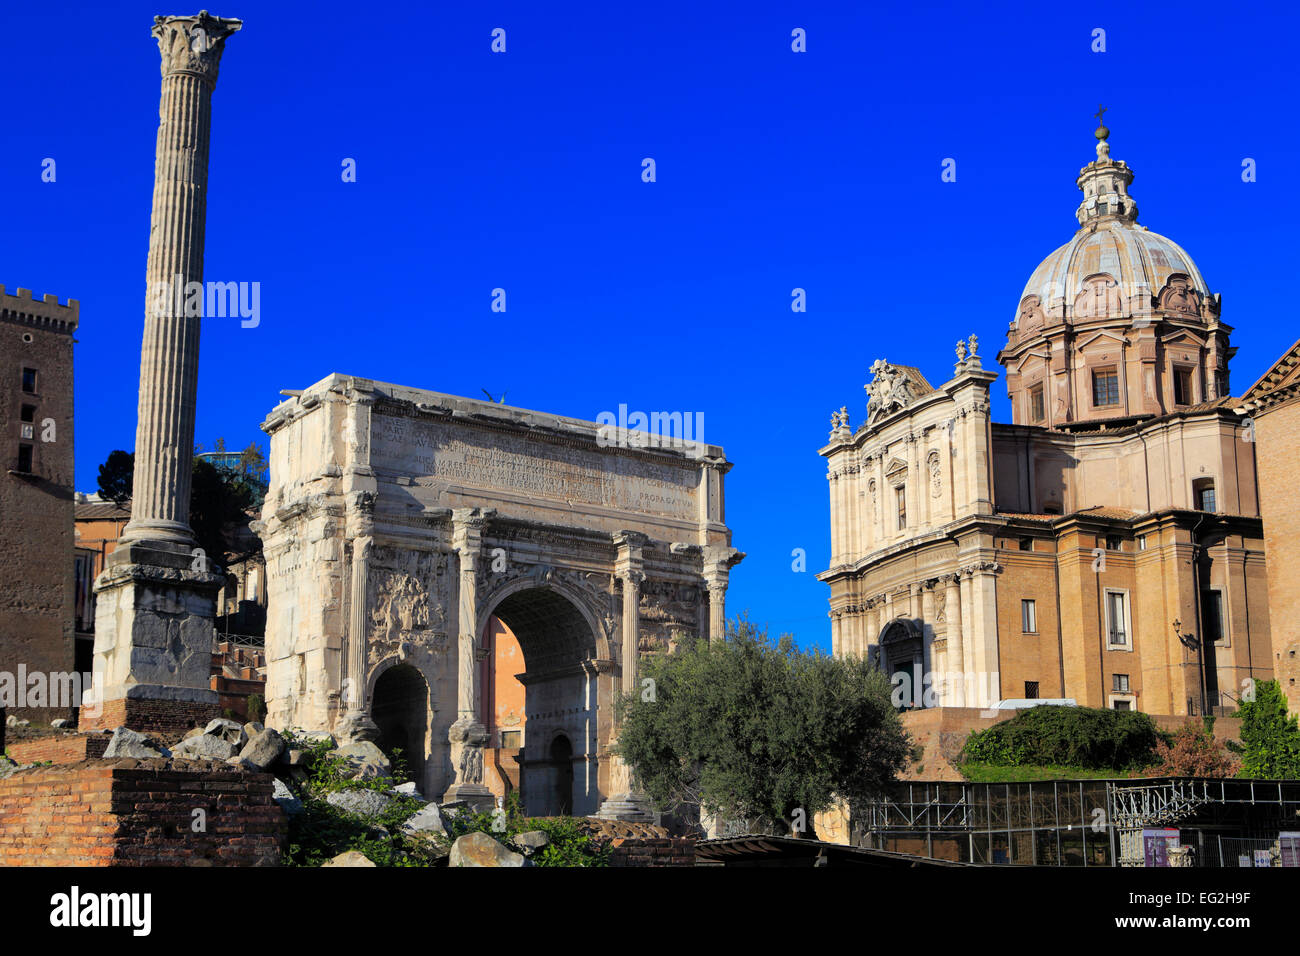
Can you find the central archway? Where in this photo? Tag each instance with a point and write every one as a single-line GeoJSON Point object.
{"type": "Point", "coordinates": [556, 747]}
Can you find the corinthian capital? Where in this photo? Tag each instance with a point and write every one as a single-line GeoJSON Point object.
{"type": "Point", "coordinates": [193, 44]}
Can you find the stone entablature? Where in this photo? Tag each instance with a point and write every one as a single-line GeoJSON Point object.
{"type": "Point", "coordinates": [399, 521]}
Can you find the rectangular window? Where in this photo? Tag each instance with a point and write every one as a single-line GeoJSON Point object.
{"type": "Point", "coordinates": [1036, 410]}
{"type": "Point", "coordinates": [1031, 690]}
{"type": "Point", "coordinates": [1119, 683]}
{"type": "Point", "coordinates": [1182, 386]}
{"type": "Point", "coordinates": [1123, 705]}
{"type": "Point", "coordinates": [1113, 543]}
{"type": "Point", "coordinates": [509, 740]}
{"type": "Point", "coordinates": [1026, 544]}
{"type": "Point", "coordinates": [1142, 542]}
{"type": "Point", "coordinates": [900, 496]}
{"type": "Point", "coordinates": [24, 458]}
{"type": "Point", "coordinates": [1205, 497]}
{"type": "Point", "coordinates": [1212, 615]}
{"type": "Point", "coordinates": [1105, 387]}
{"type": "Point", "coordinates": [1117, 618]}
{"type": "Point", "coordinates": [1029, 617]}
{"type": "Point", "coordinates": [28, 413]}
{"type": "Point", "coordinates": [29, 380]}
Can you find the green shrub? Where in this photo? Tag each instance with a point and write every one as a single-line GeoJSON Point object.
{"type": "Point", "coordinates": [568, 845]}
{"type": "Point", "coordinates": [1270, 736]}
{"type": "Point", "coordinates": [1083, 737]}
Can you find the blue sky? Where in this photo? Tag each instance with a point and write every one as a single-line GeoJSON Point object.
{"type": "Point", "coordinates": [522, 170]}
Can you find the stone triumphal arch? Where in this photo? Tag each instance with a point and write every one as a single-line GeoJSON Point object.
{"type": "Point", "coordinates": [403, 528]}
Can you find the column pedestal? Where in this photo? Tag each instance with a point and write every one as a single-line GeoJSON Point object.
{"type": "Point", "coordinates": [155, 605]}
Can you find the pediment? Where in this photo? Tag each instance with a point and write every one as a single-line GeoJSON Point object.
{"type": "Point", "coordinates": [1183, 337]}
{"type": "Point", "coordinates": [1043, 357]}
{"type": "Point", "coordinates": [1102, 337]}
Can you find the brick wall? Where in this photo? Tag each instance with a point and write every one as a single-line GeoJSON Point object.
{"type": "Point", "coordinates": [149, 716]}
{"type": "Point", "coordinates": [36, 531]}
{"type": "Point", "coordinates": [1275, 431]}
{"type": "Point", "coordinates": [669, 851]}
{"type": "Point", "coordinates": [139, 813]}
{"type": "Point", "coordinates": [63, 748]}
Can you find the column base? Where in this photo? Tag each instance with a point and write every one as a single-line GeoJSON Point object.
{"type": "Point", "coordinates": [629, 807]}
{"type": "Point", "coordinates": [355, 728]}
{"type": "Point", "coordinates": [467, 738]}
{"type": "Point", "coordinates": [155, 604]}
{"type": "Point", "coordinates": [475, 794]}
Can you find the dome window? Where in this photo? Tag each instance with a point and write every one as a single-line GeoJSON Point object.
{"type": "Point", "coordinates": [1105, 387]}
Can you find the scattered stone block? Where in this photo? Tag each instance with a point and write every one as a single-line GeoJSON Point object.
{"type": "Point", "coordinates": [131, 743]}
{"type": "Point", "coordinates": [263, 749]}
{"type": "Point", "coordinates": [479, 849]}
{"type": "Point", "coordinates": [367, 761]}
{"type": "Point", "coordinates": [427, 820]}
{"type": "Point", "coordinates": [229, 730]}
{"type": "Point", "coordinates": [530, 842]}
{"type": "Point", "coordinates": [366, 803]}
{"type": "Point", "coordinates": [286, 799]}
{"type": "Point", "coordinates": [350, 858]}
{"type": "Point", "coordinates": [204, 747]}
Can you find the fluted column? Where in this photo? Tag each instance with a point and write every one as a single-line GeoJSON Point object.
{"type": "Point", "coordinates": [156, 598]}
{"type": "Point", "coordinates": [718, 562]}
{"type": "Point", "coordinates": [626, 802]}
{"type": "Point", "coordinates": [467, 735]}
{"type": "Point", "coordinates": [191, 50]}
{"type": "Point", "coordinates": [355, 702]}
{"type": "Point", "coordinates": [954, 657]}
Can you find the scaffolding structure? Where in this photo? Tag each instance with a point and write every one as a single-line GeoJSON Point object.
{"type": "Point", "coordinates": [1088, 822]}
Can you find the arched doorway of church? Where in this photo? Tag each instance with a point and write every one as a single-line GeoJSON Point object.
{"type": "Point", "coordinates": [539, 704]}
{"type": "Point", "coordinates": [400, 709]}
{"type": "Point", "coordinates": [902, 658]}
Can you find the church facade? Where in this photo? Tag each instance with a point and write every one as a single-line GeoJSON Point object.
{"type": "Point", "coordinates": [1106, 546]}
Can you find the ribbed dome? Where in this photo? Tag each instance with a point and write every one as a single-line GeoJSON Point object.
{"type": "Point", "coordinates": [1112, 268]}
{"type": "Point", "coordinates": [1138, 260]}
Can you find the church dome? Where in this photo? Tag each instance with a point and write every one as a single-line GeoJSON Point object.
{"type": "Point", "coordinates": [1113, 268]}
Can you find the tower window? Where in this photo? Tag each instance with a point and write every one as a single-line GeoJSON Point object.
{"type": "Point", "coordinates": [1182, 386]}
{"type": "Point", "coordinates": [1028, 617]}
{"type": "Point", "coordinates": [1117, 618]}
{"type": "Point", "coordinates": [29, 381]}
{"type": "Point", "coordinates": [1036, 410]}
{"type": "Point", "coordinates": [28, 413]}
{"type": "Point", "coordinates": [1211, 616]}
{"type": "Point", "coordinates": [24, 458]}
{"type": "Point", "coordinates": [1105, 387]}
{"type": "Point", "coordinates": [1203, 494]}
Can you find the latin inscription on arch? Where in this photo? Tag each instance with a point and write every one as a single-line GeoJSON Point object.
{"type": "Point", "coordinates": [441, 452]}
